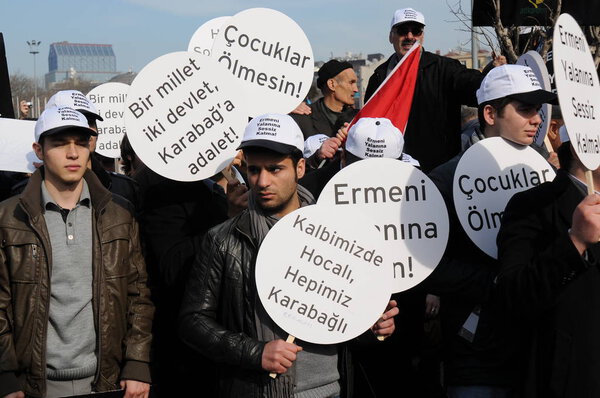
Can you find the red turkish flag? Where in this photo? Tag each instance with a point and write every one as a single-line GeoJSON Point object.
{"type": "Point", "coordinates": [393, 98]}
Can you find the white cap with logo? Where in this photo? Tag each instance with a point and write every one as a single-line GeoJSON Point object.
{"type": "Point", "coordinates": [375, 138]}
{"type": "Point", "coordinates": [313, 143]}
{"type": "Point", "coordinates": [516, 81]}
{"type": "Point", "coordinates": [407, 15]}
{"type": "Point", "coordinates": [76, 100]}
{"type": "Point", "coordinates": [277, 132]}
{"type": "Point", "coordinates": [59, 118]}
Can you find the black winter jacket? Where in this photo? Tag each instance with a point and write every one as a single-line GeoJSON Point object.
{"type": "Point", "coordinates": [433, 132]}
{"type": "Point", "coordinates": [217, 316]}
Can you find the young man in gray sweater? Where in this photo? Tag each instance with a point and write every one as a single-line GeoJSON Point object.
{"type": "Point", "coordinates": [75, 312]}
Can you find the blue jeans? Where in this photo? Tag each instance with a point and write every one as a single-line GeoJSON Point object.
{"type": "Point", "coordinates": [479, 392]}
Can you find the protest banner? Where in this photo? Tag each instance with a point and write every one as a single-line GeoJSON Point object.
{"type": "Point", "coordinates": [16, 152]}
{"type": "Point", "coordinates": [578, 90]}
{"type": "Point", "coordinates": [487, 176]}
{"type": "Point", "coordinates": [109, 99]}
{"type": "Point", "coordinates": [181, 116]}
{"type": "Point", "coordinates": [321, 275]}
{"type": "Point", "coordinates": [534, 60]}
{"type": "Point", "coordinates": [204, 37]}
{"type": "Point", "coordinates": [405, 208]}
{"type": "Point", "coordinates": [269, 55]}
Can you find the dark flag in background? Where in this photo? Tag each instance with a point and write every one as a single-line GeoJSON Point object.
{"type": "Point", "coordinates": [6, 107]}
{"type": "Point", "coordinates": [535, 12]}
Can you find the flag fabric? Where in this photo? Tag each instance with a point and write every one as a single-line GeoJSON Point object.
{"type": "Point", "coordinates": [393, 98]}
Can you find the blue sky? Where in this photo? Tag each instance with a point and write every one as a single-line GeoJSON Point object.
{"type": "Point", "coordinates": [141, 30]}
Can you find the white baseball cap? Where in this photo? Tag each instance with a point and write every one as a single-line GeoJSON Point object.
{"type": "Point", "coordinates": [277, 132]}
{"type": "Point", "coordinates": [76, 100]}
{"type": "Point", "coordinates": [60, 118]}
{"type": "Point", "coordinates": [313, 143]}
{"type": "Point", "coordinates": [375, 138]}
{"type": "Point", "coordinates": [407, 15]}
{"type": "Point", "coordinates": [515, 81]}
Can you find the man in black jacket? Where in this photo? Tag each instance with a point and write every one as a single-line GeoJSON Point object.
{"type": "Point", "coordinates": [337, 81]}
{"type": "Point", "coordinates": [433, 132]}
{"type": "Point", "coordinates": [221, 315]}
{"type": "Point", "coordinates": [479, 353]}
{"type": "Point", "coordinates": [549, 277]}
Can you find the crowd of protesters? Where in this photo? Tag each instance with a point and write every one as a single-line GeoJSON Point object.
{"type": "Point", "coordinates": [137, 282]}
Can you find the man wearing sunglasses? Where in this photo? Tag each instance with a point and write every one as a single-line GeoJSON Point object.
{"type": "Point", "coordinates": [443, 84]}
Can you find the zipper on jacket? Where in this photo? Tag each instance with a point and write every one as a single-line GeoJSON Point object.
{"type": "Point", "coordinates": [47, 317]}
{"type": "Point", "coordinates": [98, 272]}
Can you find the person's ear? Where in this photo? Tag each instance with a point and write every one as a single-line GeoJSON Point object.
{"type": "Point", "coordinates": [489, 114]}
{"type": "Point", "coordinates": [331, 83]}
{"type": "Point", "coordinates": [553, 129]}
{"type": "Point", "coordinates": [39, 152]}
{"type": "Point", "coordinates": [301, 168]}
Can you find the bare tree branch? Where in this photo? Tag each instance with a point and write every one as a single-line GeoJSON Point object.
{"type": "Point", "coordinates": [503, 35]}
{"type": "Point", "coordinates": [594, 34]}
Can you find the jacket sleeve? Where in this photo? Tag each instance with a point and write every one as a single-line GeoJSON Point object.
{"type": "Point", "coordinates": [140, 312]}
{"type": "Point", "coordinates": [537, 257]}
{"type": "Point", "coordinates": [8, 357]}
{"type": "Point", "coordinates": [199, 327]}
{"type": "Point", "coordinates": [465, 82]}
{"type": "Point", "coordinates": [464, 271]}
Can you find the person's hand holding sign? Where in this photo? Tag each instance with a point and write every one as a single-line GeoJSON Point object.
{"type": "Point", "coordinates": [585, 228]}
{"type": "Point", "coordinates": [278, 356]}
{"type": "Point", "coordinates": [385, 326]}
{"type": "Point", "coordinates": [237, 197]}
{"type": "Point", "coordinates": [330, 147]}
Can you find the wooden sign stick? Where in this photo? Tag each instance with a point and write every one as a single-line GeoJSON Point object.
{"type": "Point", "coordinates": [590, 182]}
{"type": "Point", "coordinates": [290, 339]}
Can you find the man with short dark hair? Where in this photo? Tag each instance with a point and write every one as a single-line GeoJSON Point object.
{"type": "Point", "coordinates": [114, 182]}
{"type": "Point", "coordinates": [75, 312]}
{"type": "Point", "coordinates": [432, 135]}
{"type": "Point", "coordinates": [481, 360]}
{"type": "Point", "coordinates": [221, 315]}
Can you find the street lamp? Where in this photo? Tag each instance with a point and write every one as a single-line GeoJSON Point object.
{"type": "Point", "coordinates": [33, 49]}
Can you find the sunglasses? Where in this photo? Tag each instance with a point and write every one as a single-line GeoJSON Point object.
{"type": "Point", "coordinates": [402, 30]}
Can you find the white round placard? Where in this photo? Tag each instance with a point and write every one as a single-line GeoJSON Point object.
{"type": "Point", "coordinates": [535, 61]}
{"type": "Point", "coordinates": [487, 176]}
{"type": "Point", "coordinates": [109, 99]}
{"type": "Point", "coordinates": [321, 275]}
{"type": "Point", "coordinates": [269, 55]}
{"type": "Point", "coordinates": [182, 116]}
{"type": "Point", "coordinates": [204, 37]}
{"type": "Point", "coordinates": [406, 209]}
{"type": "Point", "coordinates": [578, 89]}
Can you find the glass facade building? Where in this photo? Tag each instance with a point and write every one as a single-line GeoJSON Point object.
{"type": "Point", "coordinates": [92, 62]}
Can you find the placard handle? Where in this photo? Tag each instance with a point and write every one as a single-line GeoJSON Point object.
{"type": "Point", "coordinates": [290, 339]}
{"type": "Point", "coordinates": [590, 182]}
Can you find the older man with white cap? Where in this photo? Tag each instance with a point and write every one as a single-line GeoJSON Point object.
{"type": "Point", "coordinates": [443, 84]}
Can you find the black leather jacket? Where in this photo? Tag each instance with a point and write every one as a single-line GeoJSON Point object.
{"type": "Point", "coordinates": [217, 315]}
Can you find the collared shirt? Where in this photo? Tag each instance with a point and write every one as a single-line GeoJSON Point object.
{"type": "Point", "coordinates": [71, 338]}
{"type": "Point", "coordinates": [582, 186]}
